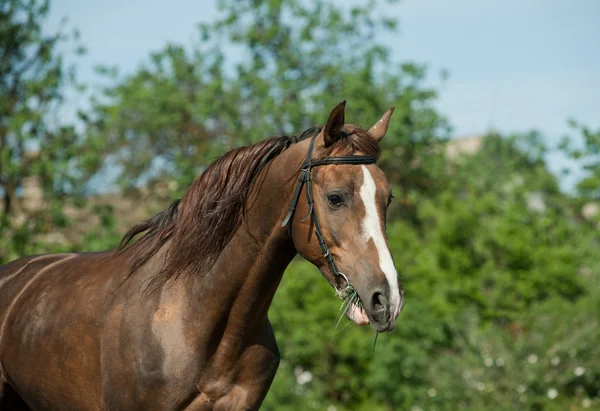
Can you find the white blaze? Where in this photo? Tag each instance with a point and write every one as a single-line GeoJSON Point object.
{"type": "Point", "coordinates": [371, 229]}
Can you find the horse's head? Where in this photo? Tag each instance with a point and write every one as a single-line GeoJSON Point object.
{"type": "Point", "coordinates": [351, 197]}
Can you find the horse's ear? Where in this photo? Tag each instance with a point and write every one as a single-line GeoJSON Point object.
{"type": "Point", "coordinates": [380, 128]}
{"type": "Point", "coordinates": [332, 131]}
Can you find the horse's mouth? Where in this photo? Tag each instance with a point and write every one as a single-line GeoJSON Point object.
{"type": "Point", "coordinates": [379, 316]}
{"type": "Point", "coordinates": [353, 306]}
{"type": "Point", "coordinates": [358, 315]}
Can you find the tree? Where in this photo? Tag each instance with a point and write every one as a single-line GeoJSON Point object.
{"type": "Point", "coordinates": [298, 59]}
{"type": "Point", "coordinates": [589, 157]}
{"type": "Point", "coordinates": [34, 147]}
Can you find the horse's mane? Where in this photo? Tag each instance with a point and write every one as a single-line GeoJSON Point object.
{"type": "Point", "coordinates": [203, 222]}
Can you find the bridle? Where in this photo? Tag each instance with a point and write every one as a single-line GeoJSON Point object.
{"type": "Point", "coordinates": [305, 178]}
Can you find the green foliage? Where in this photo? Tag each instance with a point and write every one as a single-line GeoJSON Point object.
{"type": "Point", "coordinates": [490, 231]}
{"type": "Point", "coordinates": [589, 157]}
{"type": "Point", "coordinates": [549, 361]}
{"type": "Point", "coordinates": [36, 152]}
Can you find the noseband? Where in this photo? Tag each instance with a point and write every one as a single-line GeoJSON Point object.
{"type": "Point", "coordinates": [305, 178]}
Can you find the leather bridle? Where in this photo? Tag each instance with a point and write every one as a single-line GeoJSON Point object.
{"type": "Point", "coordinates": [305, 178]}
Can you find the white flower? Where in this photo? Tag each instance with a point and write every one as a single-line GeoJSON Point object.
{"type": "Point", "coordinates": [521, 389]}
{"type": "Point", "coordinates": [431, 392]}
{"type": "Point", "coordinates": [331, 408]}
{"type": "Point", "coordinates": [555, 361]}
{"type": "Point", "coordinates": [488, 362]}
{"type": "Point", "coordinates": [579, 371]}
{"type": "Point", "coordinates": [480, 386]}
{"type": "Point", "coordinates": [586, 403]}
{"type": "Point", "coordinates": [532, 359]}
{"type": "Point", "coordinates": [466, 374]}
{"type": "Point", "coordinates": [304, 378]}
{"type": "Point", "coordinates": [500, 362]}
{"type": "Point", "coordinates": [552, 393]}
{"type": "Point", "coordinates": [416, 408]}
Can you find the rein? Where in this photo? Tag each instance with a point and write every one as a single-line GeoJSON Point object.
{"type": "Point", "coordinates": [305, 179]}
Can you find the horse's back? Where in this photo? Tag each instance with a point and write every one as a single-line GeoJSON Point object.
{"type": "Point", "coordinates": [51, 309]}
{"type": "Point", "coordinates": [18, 275]}
{"type": "Point", "coordinates": [15, 275]}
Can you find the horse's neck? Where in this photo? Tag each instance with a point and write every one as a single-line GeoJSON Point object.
{"type": "Point", "coordinates": [236, 293]}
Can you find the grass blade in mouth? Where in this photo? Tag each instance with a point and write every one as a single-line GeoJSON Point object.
{"type": "Point", "coordinates": [375, 343]}
{"type": "Point", "coordinates": [348, 300]}
{"type": "Point", "coordinates": [351, 298]}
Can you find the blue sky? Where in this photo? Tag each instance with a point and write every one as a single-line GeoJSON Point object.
{"type": "Point", "coordinates": [514, 64]}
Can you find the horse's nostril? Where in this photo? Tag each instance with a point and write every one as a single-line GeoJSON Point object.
{"type": "Point", "coordinates": [379, 304]}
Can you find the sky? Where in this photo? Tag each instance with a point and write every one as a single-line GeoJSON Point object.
{"type": "Point", "coordinates": [514, 65]}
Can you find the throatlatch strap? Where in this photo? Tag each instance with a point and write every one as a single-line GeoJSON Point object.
{"type": "Point", "coordinates": [295, 198]}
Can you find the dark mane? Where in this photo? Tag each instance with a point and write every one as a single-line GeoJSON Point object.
{"type": "Point", "coordinates": [203, 222]}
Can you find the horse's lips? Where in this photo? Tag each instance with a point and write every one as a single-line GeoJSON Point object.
{"type": "Point", "coordinates": [358, 315]}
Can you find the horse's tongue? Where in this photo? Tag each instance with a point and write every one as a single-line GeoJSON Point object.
{"type": "Point", "coordinates": [359, 315]}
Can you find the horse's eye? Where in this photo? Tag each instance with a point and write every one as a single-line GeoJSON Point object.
{"type": "Point", "coordinates": [335, 200]}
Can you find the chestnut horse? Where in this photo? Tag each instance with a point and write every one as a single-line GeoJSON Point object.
{"type": "Point", "coordinates": [177, 320]}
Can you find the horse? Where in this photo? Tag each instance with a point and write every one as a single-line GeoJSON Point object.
{"type": "Point", "coordinates": [175, 317]}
